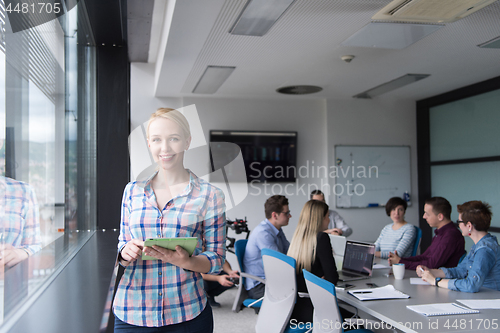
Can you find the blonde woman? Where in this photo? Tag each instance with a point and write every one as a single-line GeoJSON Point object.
{"type": "Point", "coordinates": [166, 295]}
{"type": "Point", "coordinates": [312, 250]}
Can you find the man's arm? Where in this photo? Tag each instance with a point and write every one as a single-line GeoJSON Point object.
{"type": "Point", "coordinates": [340, 224]}
{"type": "Point", "coordinates": [437, 255]}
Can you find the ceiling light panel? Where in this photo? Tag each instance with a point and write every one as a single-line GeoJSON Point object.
{"type": "Point", "coordinates": [491, 44]}
{"type": "Point", "coordinates": [259, 16]}
{"type": "Point", "coordinates": [212, 79]}
{"type": "Point", "coordinates": [391, 85]}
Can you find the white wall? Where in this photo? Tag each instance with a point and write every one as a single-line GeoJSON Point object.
{"type": "Point", "coordinates": [321, 124]}
{"type": "Point", "coordinates": [373, 122]}
{"type": "Point", "coordinates": [307, 117]}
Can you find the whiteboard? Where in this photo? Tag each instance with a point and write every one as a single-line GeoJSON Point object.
{"type": "Point", "coordinates": [368, 176]}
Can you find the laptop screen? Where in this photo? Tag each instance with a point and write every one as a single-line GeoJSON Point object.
{"type": "Point", "coordinates": [358, 257]}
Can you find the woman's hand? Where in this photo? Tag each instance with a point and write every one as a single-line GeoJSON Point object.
{"type": "Point", "coordinates": [428, 277]}
{"type": "Point", "coordinates": [393, 258]}
{"type": "Point", "coordinates": [131, 251]}
{"type": "Point", "coordinates": [11, 255]}
{"type": "Point", "coordinates": [334, 231]}
{"type": "Point", "coordinates": [179, 257]}
{"type": "Point", "coordinates": [421, 269]}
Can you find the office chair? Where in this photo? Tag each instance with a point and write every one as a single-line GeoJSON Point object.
{"type": "Point", "coordinates": [242, 299]}
{"type": "Point", "coordinates": [326, 309]}
{"type": "Point", "coordinates": [417, 241]}
{"type": "Point", "coordinates": [280, 294]}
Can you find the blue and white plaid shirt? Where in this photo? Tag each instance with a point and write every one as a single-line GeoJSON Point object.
{"type": "Point", "coordinates": [20, 226]}
{"type": "Point", "coordinates": [154, 293]}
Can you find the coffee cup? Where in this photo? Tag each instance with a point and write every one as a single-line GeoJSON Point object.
{"type": "Point", "coordinates": [399, 271]}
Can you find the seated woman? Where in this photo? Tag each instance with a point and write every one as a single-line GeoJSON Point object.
{"type": "Point", "coordinates": [312, 250]}
{"type": "Point", "coordinates": [481, 267]}
{"type": "Point", "coordinates": [398, 236]}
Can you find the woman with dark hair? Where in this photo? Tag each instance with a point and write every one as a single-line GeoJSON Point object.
{"type": "Point", "coordinates": [481, 267]}
{"type": "Point", "coordinates": [312, 250]}
{"type": "Point", "coordinates": [399, 236]}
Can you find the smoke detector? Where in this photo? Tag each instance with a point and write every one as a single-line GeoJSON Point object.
{"type": "Point", "coordinates": [347, 58]}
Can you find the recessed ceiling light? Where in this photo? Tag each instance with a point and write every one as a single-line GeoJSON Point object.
{"type": "Point", "coordinates": [259, 16]}
{"type": "Point", "coordinates": [391, 85]}
{"type": "Point", "coordinates": [491, 44]}
{"type": "Point", "coordinates": [212, 79]}
{"type": "Point", "coordinates": [299, 90]}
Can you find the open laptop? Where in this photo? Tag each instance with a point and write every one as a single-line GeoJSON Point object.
{"type": "Point", "coordinates": [358, 261]}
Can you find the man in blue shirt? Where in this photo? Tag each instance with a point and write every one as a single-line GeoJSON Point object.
{"type": "Point", "coordinates": [267, 235]}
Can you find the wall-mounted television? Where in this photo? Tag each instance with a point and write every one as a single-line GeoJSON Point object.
{"type": "Point", "coordinates": [267, 156]}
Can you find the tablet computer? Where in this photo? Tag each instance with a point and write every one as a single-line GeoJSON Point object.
{"type": "Point", "coordinates": [187, 243]}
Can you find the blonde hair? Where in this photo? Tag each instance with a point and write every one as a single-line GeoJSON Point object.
{"type": "Point", "coordinates": [304, 241]}
{"type": "Point", "coordinates": [171, 114]}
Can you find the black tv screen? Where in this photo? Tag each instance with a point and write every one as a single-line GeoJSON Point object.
{"type": "Point", "coordinates": [267, 156]}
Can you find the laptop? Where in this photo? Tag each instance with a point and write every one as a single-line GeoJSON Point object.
{"type": "Point", "coordinates": [358, 261]}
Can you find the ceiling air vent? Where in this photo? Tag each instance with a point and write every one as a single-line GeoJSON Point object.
{"type": "Point", "coordinates": [299, 90]}
{"type": "Point", "coordinates": [429, 11]}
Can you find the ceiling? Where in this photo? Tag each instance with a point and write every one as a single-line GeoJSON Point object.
{"type": "Point", "coordinates": [304, 48]}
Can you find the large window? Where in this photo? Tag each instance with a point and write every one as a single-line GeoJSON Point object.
{"type": "Point", "coordinates": [47, 154]}
{"type": "Point", "coordinates": [459, 147]}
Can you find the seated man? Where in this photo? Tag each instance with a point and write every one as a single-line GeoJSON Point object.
{"type": "Point", "coordinates": [217, 284]}
{"type": "Point", "coordinates": [267, 235]}
{"type": "Point", "coordinates": [447, 246]}
{"type": "Point", "coordinates": [337, 226]}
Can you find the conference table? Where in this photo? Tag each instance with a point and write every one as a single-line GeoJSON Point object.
{"type": "Point", "coordinates": [393, 313]}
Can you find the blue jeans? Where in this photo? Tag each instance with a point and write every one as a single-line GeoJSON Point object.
{"type": "Point", "coordinates": [204, 323]}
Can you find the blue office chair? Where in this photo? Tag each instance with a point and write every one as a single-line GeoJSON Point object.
{"type": "Point", "coordinates": [242, 298]}
{"type": "Point", "coordinates": [417, 241]}
{"type": "Point", "coordinates": [280, 294]}
{"type": "Point", "coordinates": [326, 308]}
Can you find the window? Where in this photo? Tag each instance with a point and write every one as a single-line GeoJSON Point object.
{"type": "Point", "coordinates": [47, 154]}
{"type": "Point", "coordinates": [459, 152]}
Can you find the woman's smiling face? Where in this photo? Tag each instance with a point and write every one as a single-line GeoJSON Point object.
{"type": "Point", "coordinates": [167, 142]}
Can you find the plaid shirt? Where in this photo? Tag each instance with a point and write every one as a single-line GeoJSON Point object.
{"type": "Point", "coordinates": [20, 226]}
{"type": "Point", "coordinates": [154, 293]}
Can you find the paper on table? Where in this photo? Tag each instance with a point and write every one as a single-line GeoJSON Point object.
{"type": "Point", "coordinates": [440, 309]}
{"type": "Point", "coordinates": [378, 266]}
{"type": "Point", "coordinates": [385, 292]}
{"type": "Point", "coordinates": [481, 303]}
{"type": "Point", "coordinates": [419, 281]}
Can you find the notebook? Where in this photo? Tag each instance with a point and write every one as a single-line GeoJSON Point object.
{"type": "Point", "coordinates": [338, 244]}
{"type": "Point", "coordinates": [358, 261]}
{"type": "Point", "coordinates": [481, 303]}
{"type": "Point", "coordinates": [440, 309]}
{"type": "Point", "coordinates": [372, 294]}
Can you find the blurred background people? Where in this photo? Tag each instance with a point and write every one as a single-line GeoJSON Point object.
{"type": "Point", "coordinates": [481, 266]}
{"type": "Point", "coordinates": [399, 236]}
